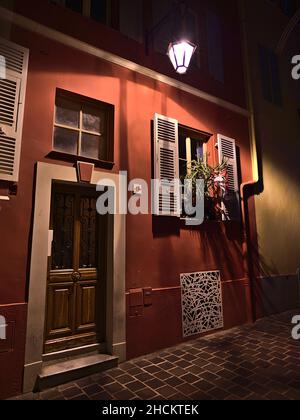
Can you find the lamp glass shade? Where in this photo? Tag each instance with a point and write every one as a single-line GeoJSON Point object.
{"type": "Point", "coordinates": [180, 54]}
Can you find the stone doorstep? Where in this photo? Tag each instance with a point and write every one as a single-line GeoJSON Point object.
{"type": "Point", "coordinates": [59, 373]}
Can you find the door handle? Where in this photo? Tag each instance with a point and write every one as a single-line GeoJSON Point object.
{"type": "Point", "coordinates": [76, 276]}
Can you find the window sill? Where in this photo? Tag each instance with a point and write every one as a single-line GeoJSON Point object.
{"type": "Point", "coordinates": [208, 222]}
{"type": "Point", "coordinates": [75, 158]}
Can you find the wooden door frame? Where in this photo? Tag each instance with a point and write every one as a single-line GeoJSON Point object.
{"type": "Point", "coordinates": [116, 250]}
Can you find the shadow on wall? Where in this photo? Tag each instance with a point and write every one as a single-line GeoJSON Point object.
{"type": "Point", "coordinates": [274, 292]}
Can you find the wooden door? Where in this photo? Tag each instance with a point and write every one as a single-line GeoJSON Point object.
{"type": "Point", "coordinates": [76, 287]}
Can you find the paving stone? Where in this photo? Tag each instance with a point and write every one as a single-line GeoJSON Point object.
{"type": "Point", "coordinates": [85, 382]}
{"type": "Point", "coordinates": [125, 395]}
{"type": "Point", "coordinates": [203, 385]}
{"type": "Point", "coordinates": [61, 388]}
{"type": "Point", "coordinates": [143, 363]}
{"type": "Point", "coordinates": [172, 358]}
{"type": "Point", "coordinates": [166, 365]}
{"type": "Point", "coordinates": [163, 375]}
{"type": "Point", "coordinates": [155, 383]}
{"type": "Point", "coordinates": [167, 391]}
{"type": "Point", "coordinates": [102, 396]}
{"type": "Point", "coordinates": [218, 394]}
{"type": "Point", "coordinates": [195, 370]}
{"type": "Point", "coordinates": [189, 378]}
{"type": "Point", "coordinates": [71, 392]}
{"type": "Point", "coordinates": [49, 394]}
{"type": "Point", "coordinates": [157, 360]}
{"type": "Point", "coordinates": [103, 379]}
{"type": "Point", "coordinates": [200, 396]}
{"type": "Point", "coordinates": [134, 371]}
{"type": "Point", "coordinates": [92, 389]}
{"type": "Point", "coordinates": [113, 388]}
{"type": "Point", "coordinates": [183, 363]}
{"type": "Point", "coordinates": [173, 381]}
{"type": "Point", "coordinates": [152, 369]}
{"type": "Point", "coordinates": [81, 397]}
{"type": "Point", "coordinates": [177, 371]}
{"type": "Point", "coordinates": [115, 373]}
{"type": "Point", "coordinates": [146, 393]}
{"type": "Point", "coordinates": [125, 379]}
{"type": "Point", "coordinates": [135, 386]}
{"type": "Point", "coordinates": [179, 397]}
{"type": "Point", "coordinates": [186, 389]}
{"type": "Point", "coordinates": [239, 391]}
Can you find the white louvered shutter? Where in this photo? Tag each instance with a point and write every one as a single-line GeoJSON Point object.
{"type": "Point", "coordinates": [231, 203]}
{"type": "Point", "coordinates": [166, 167]}
{"type": "Point", "coordinates": [12, 98]}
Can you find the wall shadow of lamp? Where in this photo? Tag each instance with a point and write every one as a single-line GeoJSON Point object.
{"type": "Point", "coordinates": [181, 50]}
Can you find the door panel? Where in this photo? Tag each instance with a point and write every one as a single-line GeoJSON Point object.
{"type": "Point", "coordinates": [60, 309]}
{"type": "Point", "coordinates": [86, 295]}
{"type": "Point", "coordinates": [74, 283]}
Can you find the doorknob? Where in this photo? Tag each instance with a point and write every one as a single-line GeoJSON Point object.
{"type": "Point", "coordinates": [76, 276]}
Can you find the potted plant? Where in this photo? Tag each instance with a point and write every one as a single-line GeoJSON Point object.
{"type": "Point", "coordinates": [215, 185]}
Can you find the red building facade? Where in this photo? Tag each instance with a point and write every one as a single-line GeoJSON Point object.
{"type": "Point", "coordinates": [145, 255]}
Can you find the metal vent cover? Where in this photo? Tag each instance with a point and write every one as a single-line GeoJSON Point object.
{"type": "Point", "coordinates": [202, 305]}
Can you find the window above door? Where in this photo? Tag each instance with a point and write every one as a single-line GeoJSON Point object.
{"type": "Point", "coordinates": [83, 127]}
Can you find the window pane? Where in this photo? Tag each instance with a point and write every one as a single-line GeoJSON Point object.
{"type": "Point", "coordinates": [90, 146]}
{"type": "Point", "coordinates": [197, 149]}
{"type": "Point", "coordinates": [67, 113]}
{"type": "Point", "coordinates": [65, 140]}
{"type": "Point", "coordinates": [92, 120]}
{"type": "Point", "coordinates": [75, 5]}
{"type": "Point", "coordinates": [88, 232]}
{"type": "Point", "coordinates": [182, 146]}
{"type": "Point", "coordinates": [99, 10]}
{"type": "Point", "coordinates": [63, 223]}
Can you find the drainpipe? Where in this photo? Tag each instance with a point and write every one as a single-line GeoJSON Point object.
{"type": "Point", "coordinates": [246, 247]}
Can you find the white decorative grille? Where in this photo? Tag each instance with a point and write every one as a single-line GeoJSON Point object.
{"type": "Point", "coordinates": [202, 308]}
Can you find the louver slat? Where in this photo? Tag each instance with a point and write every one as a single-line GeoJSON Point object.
{"type": "Point", "coordinates": [167, 194]}
{"type": "Point", "coordinates": [7, 155]}
{"type": "Point", "coordinates": [231, 203]}
{"type": "Point", "coordinates": [15, 58]}
{"type": "Point", "coordinates": [8, 101]}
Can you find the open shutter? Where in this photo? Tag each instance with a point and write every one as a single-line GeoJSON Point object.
{"type": "Point", "coordinates": [166, 167]}
{"type": "Point", "coordinates": [12, 98]}
{"type": "Point", "coordinates": [231, 203]}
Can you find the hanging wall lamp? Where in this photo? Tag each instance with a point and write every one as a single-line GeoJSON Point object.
{"type": "Point", "coordinates": [180, 54]}
{"type": "Point", "coordinates": [180, 50]}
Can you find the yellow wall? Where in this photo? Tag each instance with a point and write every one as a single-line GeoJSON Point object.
{"type": "Point", "coordinates": [278, 132]}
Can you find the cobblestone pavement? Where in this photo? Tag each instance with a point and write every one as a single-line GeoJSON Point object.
{"type": "Point", "coordinates": [252, 362]}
